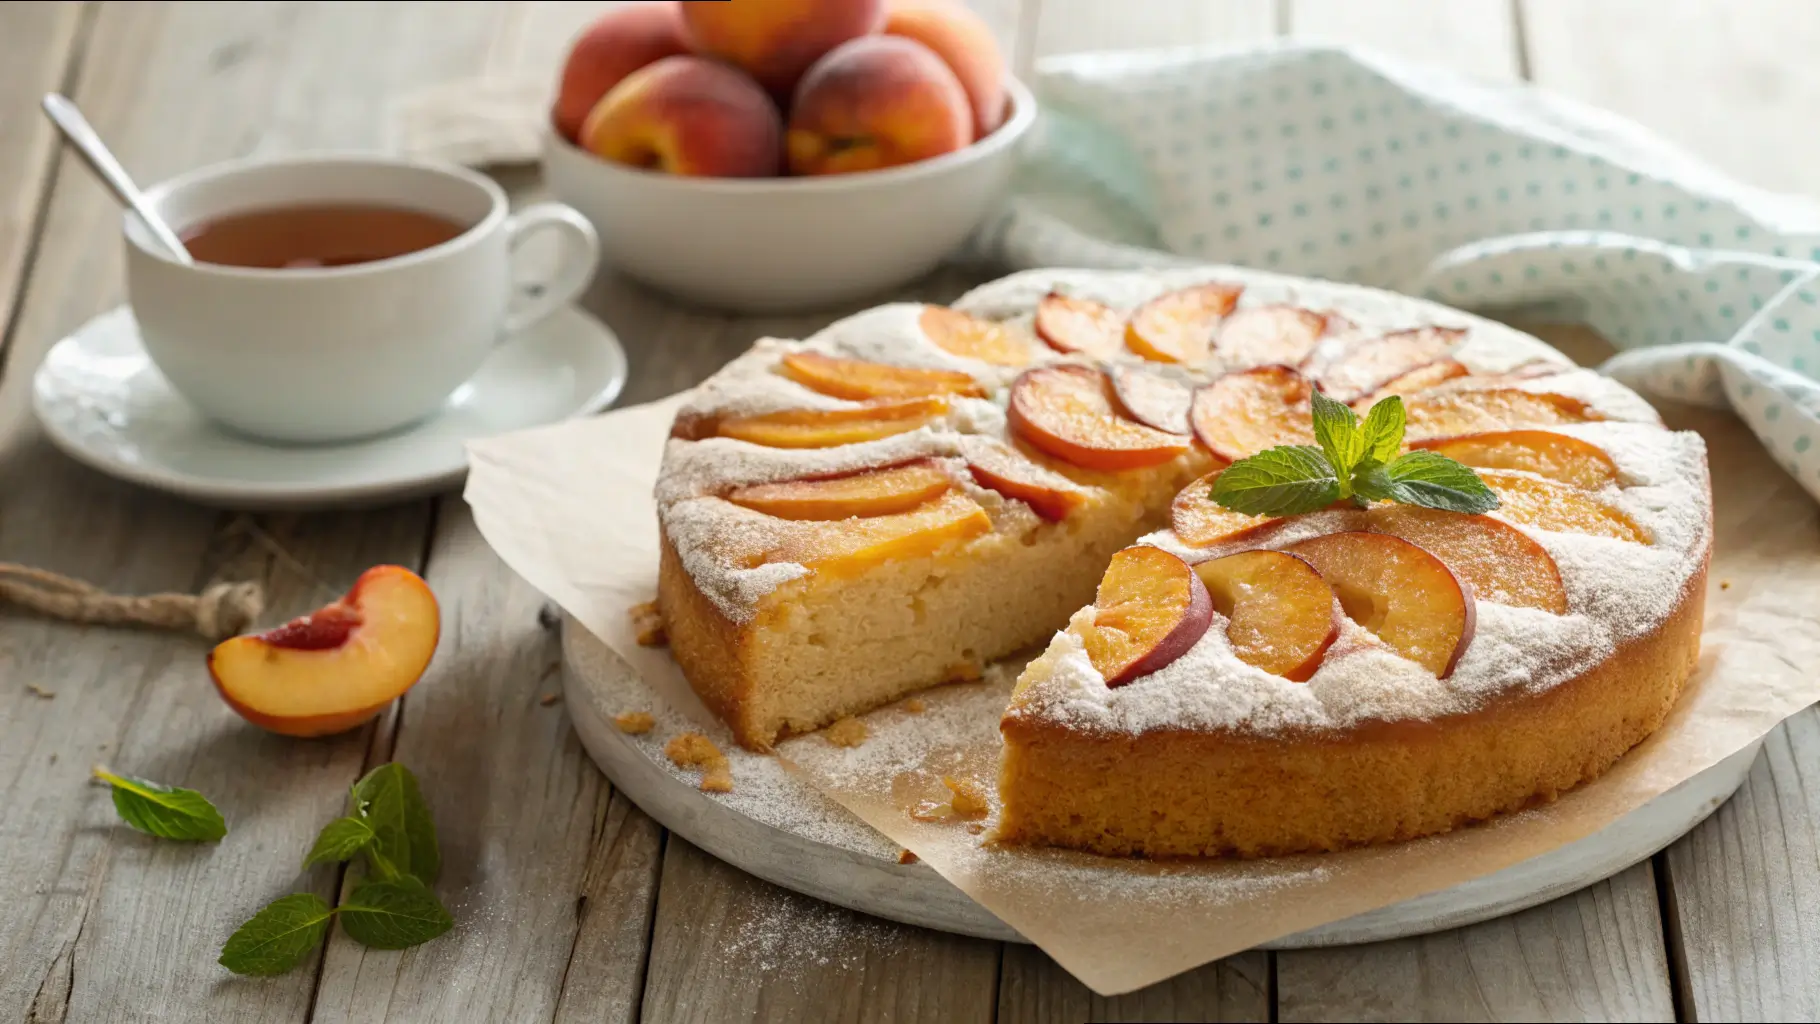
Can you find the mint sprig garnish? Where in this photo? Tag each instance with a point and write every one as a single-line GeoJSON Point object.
{"type": "Point", "coordinates": [168, 812]}
{"type": "Point", "coordinates": [390, 829]}
{"type": "Point", "coordinates": [1353, 461]}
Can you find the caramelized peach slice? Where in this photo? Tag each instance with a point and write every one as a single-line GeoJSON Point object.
{"type": "Point", "coordinates": [1499, 562]}
{"type": "Point", "coordinates": [851, 546]}
{"type": "Point", "coordinates": [1177, 327]}
{"type": "Point", "coordinates": [1243, 413]}
{"type": "Point", "coordinates": [1068, 412]}
{"type": "Point", "coordinates": [876, 492]}
{"type": "Point", "coordinates": [1374, 362]}
{"type": "Point", "coordinates": [970, 337]}
{"type": "Point", "coordinates": [1151, 398]}
{"type": "Point", "coordinates": [1393, 588]}
{"type": "Point", "coordinates": [1082, 326]}
{"type": "Point", "coordinates": [1150, 609]}
{"type": "Point", "coordinates": [826, 428]}
{"type": "Point", "coordinates": [860, 380]}
{"type": "Point", "coordinates": [1542, 452]}
{"type": "Point", "coordinates": [1548, 505]}
{"type": "Point", "coordinates": [1270, 334]}
{"type": "Point", "coordinates": [1200, 522]}
{"type": "Point", "coordinates": [997, 467]}
{"type": "Point", "coordinates": [1450, 413]}
{"type": "Point", "coordinates": [1419, 379]}
{"type": "Point", "coordinates": [1280, 612]}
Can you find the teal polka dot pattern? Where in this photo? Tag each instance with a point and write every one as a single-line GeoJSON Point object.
{"type": "Point", "coordinates": [1340, 164]}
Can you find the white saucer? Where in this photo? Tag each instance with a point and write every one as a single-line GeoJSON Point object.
{"type": "Point", "coordinates": [102, 402]}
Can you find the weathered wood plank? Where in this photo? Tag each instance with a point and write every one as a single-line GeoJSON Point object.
{"type": "Point", "coordinates": [1034, 990]}
{"type": "Point", "coordinates": [606, 971]}
{"type": "Point", "coordinates": [1473, 36]}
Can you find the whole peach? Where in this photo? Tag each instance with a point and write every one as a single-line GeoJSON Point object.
{"type": "Point", "coordinates": [876, 102]}
{"type": "Point", "coordinates": [965, 42]}
{"type": "Point", "coordinates": [775, 41]}
{"type": "Point", "coordinates": [687, 115]}
{"type": "Point", "coordinates": [618, 43]}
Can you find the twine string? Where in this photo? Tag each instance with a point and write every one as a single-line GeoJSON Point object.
{"type": "Point", "coordinates": [220, 611]}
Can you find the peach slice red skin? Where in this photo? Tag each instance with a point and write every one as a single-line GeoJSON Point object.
{"type": "Point", "coordinates": [859, 380]}
{"type": "Point", "coordinates": [968, 336]}
{"type": "Point", "coordinates": [1192, 622]}
{"type": "Point", "coordinates": [1469, 609]}
{"type": "Point", "coordinates": [1210, 411]}
{"type": "Point", "coordinates": [875, 491]}
{"type": "Point", "coordinates": [1052, 406]}
{"type": "Point", "coordinates": [1561, 457]}
{"type": "Point", "coordinates": [1050, 504]}
{"type": "Point", "coordinates": [1199, 521]}
{"type": "Point", "coordinates": [1314, 653]}
{"type": "Point", "coordinates": [1419, 379]}
{"type": "Point", "coordinates": [828, 428]}
{"type": "Point", "coordinates": [1369, 365]}
{"type": "Point", "coordinates": [1070, 325]}
{"type": "Point", "coordinates": [1270, 334]}
{"type": "Point", "coordinates": [1152, 399]}
{"type": "Point", "coordinates": [1178, 326]}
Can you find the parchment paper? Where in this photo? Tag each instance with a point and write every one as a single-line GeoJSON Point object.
{"type": "Point", "coordinates": [568, 507]}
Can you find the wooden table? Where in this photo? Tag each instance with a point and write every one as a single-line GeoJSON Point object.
{"type": "Point", "coordinates": [570, 904]}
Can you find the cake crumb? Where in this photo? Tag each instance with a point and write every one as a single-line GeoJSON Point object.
{"type": "Point", "coordinates": [847, 732]}
{"type": "Point", "coordinates": [648, 625]}
{"type": "Point", "coordinates": [907, 856]}
{"type": "Point", "coordinates": [1725, 584]}
{"type": "Point", "coordinates": [693, 750]}
{"type": "Point", "coordinates": [929, 810]}
{"type": "Point", "coordinates": [915, 705]}
{"type": "Point", "coordinates": [40, 692]}
{"type": "Point", "coordinates": [964, 672]}
{"type": "Point", "coordinates": [970, 798]}
{"type": "Point", "coordinates": [635, 723]}
{"type": "Point", "coordinates": [550, 698]}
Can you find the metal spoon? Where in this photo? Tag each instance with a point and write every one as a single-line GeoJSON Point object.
{"type": "Point", "coordinates": [88, 145]}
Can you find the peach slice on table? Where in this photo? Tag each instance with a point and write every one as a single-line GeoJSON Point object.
{"type": "Point", "coordinates": [1151, 398]}
{"type": "Point", "coordinates": [1550, 505]}
{"type": "Point", "coordinates": [337, 667]}
{"type": "Point", "coordinates": [1501, 563]}
{"type": "Point", "coordinates": [999, 468]}
{"type": "Point", "coordinates": [1080, 326]}
{"type": "Point", "coordinates": [1245, 412]}
{"type": "Point", "coordinates": [1068, 412]}
{"type": "Point", "coordinates": [971, 337]}
{"type": "Point", "coordinates": [1398, 591]}
{"type": "Point", "coordinates": [860, 380]}
{"type": "Point", "coordinates": [851, 546]}
{"type": "Point", "coordinates": [1419, 379]}
{"type": "Point", "coordinates": [1450, 413]}
{"type": "Point", "coordinates": [1200, 522]}
{"type": "Point", "coordinates": [1177, 326]}
{"type": "Point", "coordinates": [874, 492]}
{"type": "Point", "coordinates": [1150, 609]}
{"type": "Point", "coordinates": [1545, 453]}
{"type": "Point", "coordinates": [1280, 612]}
{"type": "Point", "coordinates": [1270, 334]}
{"type": "Point", "coordinates": [1369, 365]}
{"type": "Point", "coordinates": [826, 428]}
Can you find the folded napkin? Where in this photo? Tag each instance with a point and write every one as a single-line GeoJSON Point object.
{"type": "Point", "coordinates": [1338, 163]}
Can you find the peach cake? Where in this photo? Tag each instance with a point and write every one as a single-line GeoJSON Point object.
{"type": "Point", "coordinates": [918, 490]}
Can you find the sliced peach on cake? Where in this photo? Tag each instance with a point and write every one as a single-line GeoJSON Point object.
{"type": "Point", "coordinates": [860, 380]}
{"type": "Point", "coordinates": [1177, 326]}
{"type": "Point", "coordinates": [999, 468]}
{"type": "Point", "coordinates": [338, 666]}
{"type": "Point", "coordinates": [1068, 412]}
{"type": "Point", "coordinates": [826, 428]}
{"type": "Point", "coordinates": [970, 337]}
{"type": "Point", "coordinates": [1199, 521]}
{"type": "Point", "coordinates": [1542, 452]}
{"type": "Point", "coordinates": [1370, 364]}
{"type": "Point", "coordinates": [1243, 413]}
{"type": "Point", "coordinates": [1450, 413]}
{"type": "Point", "coordinates": [1080, 326]}
{"type": "Point", "coordinates": [1270, 334]}
{"type": "Point", "coordinates": [1419, 379]}
{"type": "Point", "coordinates": [875, 492]}
{"type": "Point", "coordinates": [1280, 612]}
{"type": "Point", "coordinates": [1151, 398]}
{"type": "Point", "coordinates": [1150, 609]}
{"type": "Point", "coordinates": [1548, 505]}
{"type": "Point", "coordinates": [1501, 563]}
{"type": "Point", "coordinates": [851, 546]}
{"type": "Point", "coordinates": [1403, 594]}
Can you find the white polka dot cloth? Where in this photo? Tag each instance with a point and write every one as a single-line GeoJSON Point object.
{"type": "Point", "coordinates": [1339, 164]}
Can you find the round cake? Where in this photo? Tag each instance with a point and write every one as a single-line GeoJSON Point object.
{"type": "Point", "coordinates": [919, 490]}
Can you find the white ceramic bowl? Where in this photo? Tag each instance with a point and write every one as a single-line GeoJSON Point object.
{"type": "Point", "coordinates": [770, 244]}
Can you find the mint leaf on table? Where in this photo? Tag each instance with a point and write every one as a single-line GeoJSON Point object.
{"type": "Point", "coordinates": [1431, 480]}
{"type": "Point", "coordinates": [393, 914]}
{"type": "Point", "coordinates": [1336, 430]}
{"type": "Point", "coordinates": [168, 812]}
{"type": "Point", "coordinates": [1384, 430]}
{"type": "Point", "coordinates": [279, 937]}
{"type": "Point", "coordinates": [390, 803]}
{"type": "Point", "coordinates": [340, 840]}
{"type": "Point", "coordinates": [1281, 481]}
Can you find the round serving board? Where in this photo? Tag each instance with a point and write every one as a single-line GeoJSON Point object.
{"type": "Point", "coordinates": [779, 828]}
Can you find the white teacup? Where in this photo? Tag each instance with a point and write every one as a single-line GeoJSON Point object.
{"type": "Point", "coordinates": [337, 353]}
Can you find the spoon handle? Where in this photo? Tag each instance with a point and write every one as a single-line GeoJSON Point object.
{"type": "Point", "coordinates": [88, 145]}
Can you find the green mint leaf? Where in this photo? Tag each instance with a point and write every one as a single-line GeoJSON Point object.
{"type": "Point", "coordinates": [279, 937]}
{"type": "Point", "coordinates": [1370, 482]}
{"type": "Point", "coordinates": [388, 800]}
{"type": "Point", "coordinates": [1384, 429]}
{"type": "Point", "coordinates": [164, 811]}
{"type": "Point", "coordinates": [1336, 428]}
{"type": "Point", "coordinates": [340, 840]}
{"type": "Point", "coordinates": [1282, 481]}
{"type": "Point", "coordinates": [393, 914]}
{"type": "Point", "coordinates": [1433, 480]}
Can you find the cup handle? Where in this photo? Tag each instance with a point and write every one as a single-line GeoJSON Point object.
{"type": "Point", "coordinates": [581, 254]}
